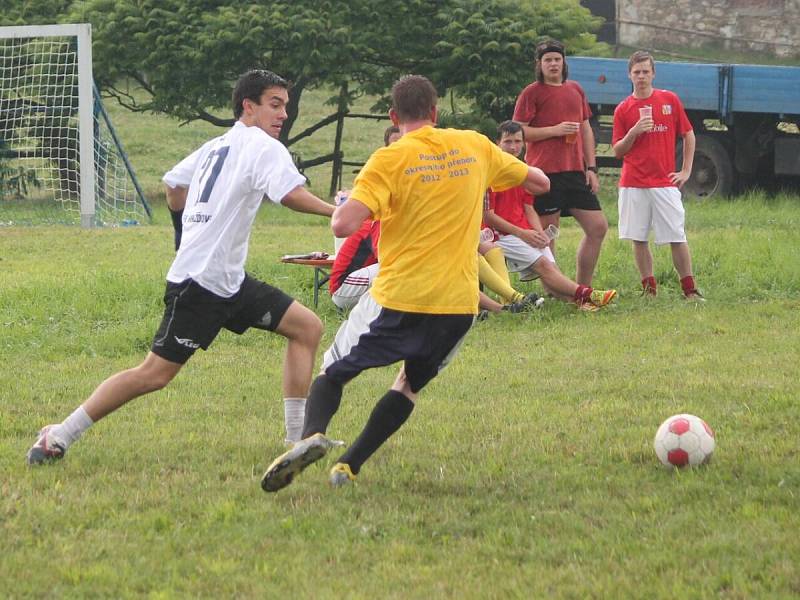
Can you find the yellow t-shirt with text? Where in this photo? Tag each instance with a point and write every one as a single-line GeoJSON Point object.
{"type": "Point", "coordinates": [427, 190]}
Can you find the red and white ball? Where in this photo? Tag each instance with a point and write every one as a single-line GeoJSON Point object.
{"type": "Point", "coordinates": [684, 440]}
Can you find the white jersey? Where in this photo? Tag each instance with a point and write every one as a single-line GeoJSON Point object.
{"type": "Point", "coordinates": [227, 179]}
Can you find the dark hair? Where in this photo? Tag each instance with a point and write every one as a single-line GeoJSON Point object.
{"type": "Point", "coordinates": [392, 129]}
{"type": "Point", "coordinates": [542, 49]}
{"type": "Point", "coordinates": [413, 98]}
{"type": "Point", "coordinates": [509, 128]}
{"type": "Point", "coordinates": [641, 56]}
{"type": "Point", "coordinates": [251, 85]}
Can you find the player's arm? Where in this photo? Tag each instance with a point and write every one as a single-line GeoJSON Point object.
{"type": "Point", "coordinates": [587, 136]}
{"type": "Point", "coordinates": [301, 200]}
{"type": "Point", "coordinates": [495, 221]}
{"type": "Point", "coordinates": [624, 145]}
{"type": "Point", "coordinates": [176, 197]}
{"type": "Point", "coordinates": [683, 175]}
{"type": "Point", "coordinates": [539, 237]}
{"type": "Point", "coordinates": [349, 216]}
{"type": "Point", "coordinates": [536, 182]}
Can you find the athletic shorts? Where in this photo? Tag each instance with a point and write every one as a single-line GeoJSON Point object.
{"type": "Point", "coordinates": [373, 336]}
{"type": "Point", "coordinates": [354, 286]}
{"type": "Point", "coordinates": [521, 255]}
{"type": "Point", "coordinates": [567, 190]}
{"type": "Point", "coordinates": [193, 316]}
{"type": "Point", "coordinates": [659, 209]}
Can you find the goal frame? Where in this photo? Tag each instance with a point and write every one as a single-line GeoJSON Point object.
{"type": "Point", "coordinates": [83, 33]}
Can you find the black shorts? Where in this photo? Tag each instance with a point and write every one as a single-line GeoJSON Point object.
{"type": "Point", "coordinates": [383, 337]}
{"type": "Point", "coordinates": [567, 190]}
{"type": "Point", "coordinates": [193, 316]}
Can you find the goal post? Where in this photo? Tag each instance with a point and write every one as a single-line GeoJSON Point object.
{"type": "Point", "coordinates": [60, 158]}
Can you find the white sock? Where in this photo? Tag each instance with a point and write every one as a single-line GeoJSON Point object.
{"type": "Point", "coordinates": [294, 415]}
{"type": "Point", "coordinates": [73, 426]}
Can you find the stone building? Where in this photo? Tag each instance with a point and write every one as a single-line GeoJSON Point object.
{"type": "Point", "coordinates": [763, 26]}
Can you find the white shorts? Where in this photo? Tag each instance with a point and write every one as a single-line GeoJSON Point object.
{"type": "Point", "coordinates": [354, 286]}
{"type": "Point", "coordinates": [659, 209]}
{"type": "Point", "coordinates": [520, 255]}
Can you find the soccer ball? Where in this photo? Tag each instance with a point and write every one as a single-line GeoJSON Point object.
{"type": "Point", "coordinates": [684, 440]}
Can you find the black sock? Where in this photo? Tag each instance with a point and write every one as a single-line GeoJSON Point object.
{"type": "Point", "coordinates": [177, 224]}
{"type": "Point", "coordinates": [322, 403]}
{"type": "Point", "coordinates": [387, 417]}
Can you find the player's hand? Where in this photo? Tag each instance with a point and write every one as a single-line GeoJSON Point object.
{"type": "Point", "coordinates": [643, 125]}
{"type": "Point", "coordinates": [593, 181]}
{"type": "Point", "coordinates": [679, 178]}
{"type": "Point", "coordinates": [534, 238]}
{"type": "Point", "coordinates": [567, 128]}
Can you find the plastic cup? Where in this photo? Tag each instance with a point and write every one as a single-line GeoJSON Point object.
{"type": "Point", "coordinates": [551, 232]}
{"type": "Point", "coordinates": [487, 235]}
{"type": "Point", "coordinates": [571, 138]}
{"type": "Point", "coordinates": [646, 112]}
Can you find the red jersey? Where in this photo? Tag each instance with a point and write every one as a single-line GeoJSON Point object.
{"type": "Point", "coordinates": [359, 250]}
{"type": "Point", "coordinates": [543, 105]}
{"type": "Point", "coordinates": [510, 206]}
{"type": "Point", "coordinates": [652, 156]}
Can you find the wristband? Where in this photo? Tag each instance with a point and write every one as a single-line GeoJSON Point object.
{"type": "Point", "coordinates": [592, 169]}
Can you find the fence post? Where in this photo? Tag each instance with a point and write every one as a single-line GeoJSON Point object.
{"type": "Point", "coordinates": [336, 170]}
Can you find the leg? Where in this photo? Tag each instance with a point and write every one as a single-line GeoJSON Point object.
{"type": "Point", "coordinates": [303, 330]}
{"type": "Point", "coordinates": [153, 374]}
{"type": "Point", "coordinates": [389, 414]}
{"type": "Point", "coordinates": [595, 226]}
{"type": "Point", "coordinates": [554, 281]}
{"type": "Point", "coordinates": [681, 258]}
{"type": "Point", "coordinates": [643, 258]}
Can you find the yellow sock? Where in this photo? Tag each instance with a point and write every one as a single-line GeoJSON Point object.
{"type": "Point", "coordinates": [489, 277]}
{"type": "Point", "coordinates": [497, 261]}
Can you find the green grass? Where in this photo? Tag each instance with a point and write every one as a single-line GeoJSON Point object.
{"type": "Point", "coordinates": [526, 470]}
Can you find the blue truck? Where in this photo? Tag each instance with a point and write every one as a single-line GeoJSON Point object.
{"type": "Point", "coordinates": [745, 117]}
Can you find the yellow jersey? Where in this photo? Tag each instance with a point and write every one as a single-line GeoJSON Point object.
{"type": "Point", "coordinates": [427, 190]}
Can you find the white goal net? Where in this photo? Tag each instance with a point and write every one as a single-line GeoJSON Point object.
{"type": "Point", "coordinates": [60, 158]}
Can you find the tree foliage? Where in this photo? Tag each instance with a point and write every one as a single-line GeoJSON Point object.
{"type": "Point", "coordinates": [186, 54]}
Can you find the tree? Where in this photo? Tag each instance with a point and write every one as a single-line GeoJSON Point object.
{"type": "Point", "coordinates": [185, 54]}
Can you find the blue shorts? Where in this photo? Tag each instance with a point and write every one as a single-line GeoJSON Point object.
{"type": "Point", "coordinates": [373, 336]}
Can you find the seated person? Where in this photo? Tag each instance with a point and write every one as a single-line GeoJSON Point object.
{"type": "Point", "coordinates": [493, 274]}
{"type": "Point", "coordinates": [525, 245]}
{"type": "Point", "coordinates": [355, 266]}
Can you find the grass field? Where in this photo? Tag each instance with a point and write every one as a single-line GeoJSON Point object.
{"type": "Point", "coordinates": [526, 471]}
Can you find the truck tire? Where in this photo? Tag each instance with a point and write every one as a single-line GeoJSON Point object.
{"type": "Point", "coordinates": [712, 170]}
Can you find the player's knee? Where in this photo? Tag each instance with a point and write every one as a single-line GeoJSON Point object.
{"type": "Point", "coordinates": [311, 332]}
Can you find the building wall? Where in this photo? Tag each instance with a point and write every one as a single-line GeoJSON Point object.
{"type": "Point", "coordinates": [741, 25]}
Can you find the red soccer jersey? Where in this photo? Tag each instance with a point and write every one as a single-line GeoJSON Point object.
{"type": "Point", "coordinates": [358, 250]}
{"type": "Point", "coordinates": [542, 105]}
{"type": "Point", "coordinates": [652, 157]}
{"type": "Point", "coordinates": [510, 206]}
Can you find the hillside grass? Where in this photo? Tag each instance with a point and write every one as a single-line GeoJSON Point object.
{"type": "Point", "coordinates": [526, 471]}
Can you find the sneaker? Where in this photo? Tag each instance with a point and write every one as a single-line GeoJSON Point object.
{"type": "Point", "coordinates": [533, 300]}
{"type": "Point", "coordinates": [602, 297]}
{"type": "Point", "coordinates": [694, 296]}
{"type": "Point", "coordinates": [48, 447]}
{"type": "Point", "coordinates": [528, 302]}
{"type": "Point", "coordinates": [305, 452]}
{"type": "Point", "coordinates": [341, 475]}
{"type": "Point", "coordinates": [587, 306]}
{"type": "Point", "coordinates": [482, 315]}
{"type": "Point", "coordinates": [649, 292]}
